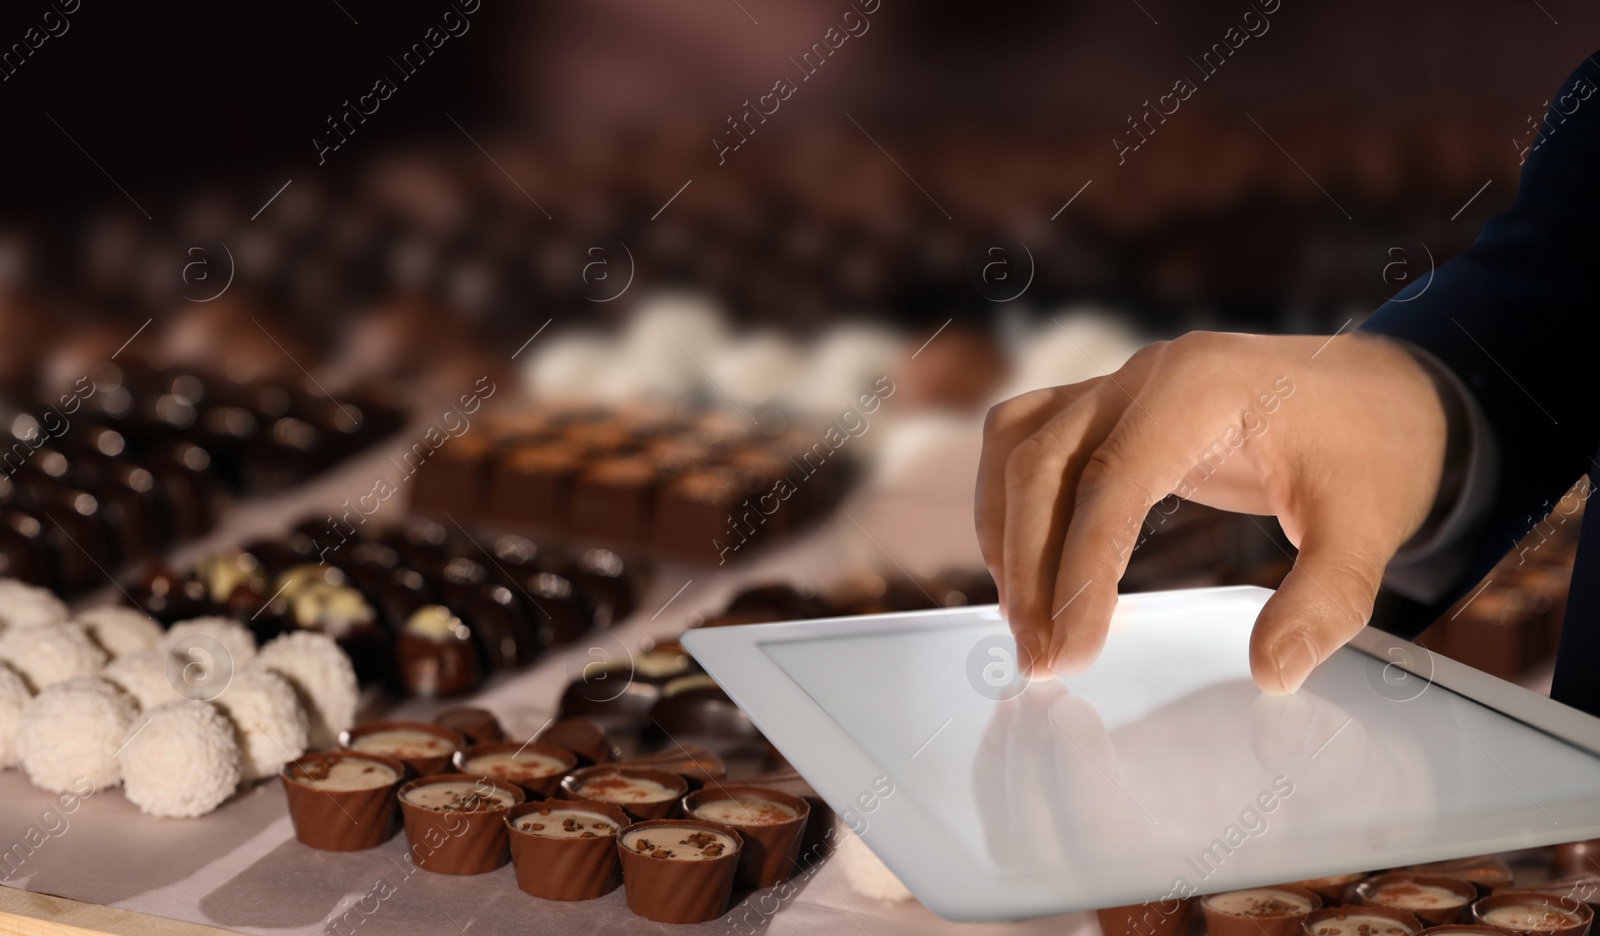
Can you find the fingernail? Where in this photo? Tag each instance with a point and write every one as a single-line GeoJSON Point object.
{"type": "Point", "coordinates": [1295, 658]}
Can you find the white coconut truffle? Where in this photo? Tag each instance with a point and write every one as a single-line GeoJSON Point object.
{"type": "Point", "coordinates": [144, 676]}
{"type": "Point", "coordinates": [234, 637]}
{"type": "Point", "coordinates": [848, 361]}
{"type": "Point", "coordinates": [181, 761]}
{"type": "Point", "coordinates": [14, 697]}
{"type": "Point", "coordinates": [757, 369]}
{"type": "Point", "coordinates": [563, 367]}
{"type": "Point", "coordinates": [268, 721]}
{"type": "Point", "coordinates": [1071, 346]}
{"type": "Point", "coordinates": [120, 630]}
{"type": "Point", "coordinates": [23, 605]}
{"type": "Point", "coordinates": [321, 673]}
{"type": "Point", "coordinates": [70, 734]}
{"type": "Point", "coordinates": [48, 655]}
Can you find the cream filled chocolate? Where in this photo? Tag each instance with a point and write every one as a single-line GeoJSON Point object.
{"type": "Point", "coordinates": [1531, 917]}
{"type": "Point", "coordinates": [1260, 902]}
{"type": "Point", "coordinates": [621, 788]}
{"type": "Point", "coordinates": [515, 765]}
{"type": "Point", "coordinates": [565, 823]}
{"type": "Point", "coordinates": [1416, 895]}
{"type": "Point", "coordinates": [459, 796]}
{"type": "Point", "coordinates": [678, 843]}
{"type": "Point", "coordinates": [745, 811]}
{"type": "Point", "coordinates": [1356, 923]}
{"type": "Point", "coordinates": [345, 774]}
{"type": "Point", "coordinates": [403, 743]}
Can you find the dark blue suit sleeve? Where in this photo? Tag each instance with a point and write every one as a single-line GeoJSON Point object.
{"type": "Point", "coordinates": [1516, 317]}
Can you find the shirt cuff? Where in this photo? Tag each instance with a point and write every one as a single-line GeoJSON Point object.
{"type": "Point", "coordinates": [1432, 560]}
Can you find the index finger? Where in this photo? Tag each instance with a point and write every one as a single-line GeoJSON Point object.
{"type": "Point", "coordinates": [1139, 462]}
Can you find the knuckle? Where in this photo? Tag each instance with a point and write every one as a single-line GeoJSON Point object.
{"type": "Point", "coordinates": [1196, 342]}
{"type": "Point", "coordinates": [1104, 465]}
{"type": "Point", "coordinates": [1025, 462]}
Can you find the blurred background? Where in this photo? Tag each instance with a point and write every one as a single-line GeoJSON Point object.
{"type": "Point", "coordinates": [750, 206]}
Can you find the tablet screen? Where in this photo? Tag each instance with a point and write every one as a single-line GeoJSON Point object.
{"type": "Point", "coordinates": [1162, 768]}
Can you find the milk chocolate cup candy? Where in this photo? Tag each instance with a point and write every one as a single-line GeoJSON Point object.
{"type": "Point", "coordinates": [459, 841]}
{"type": "Point", "coordinates": [1489, 909]}
{"type": "Point", "coordinates": [1466, 929]}
{"type": "Point", "coordinates": [1402, 920]}
{"type": "Point", "coordinates": [1486, 872]}
{"type": "Point", "coordinates": [535, 787]}
{"type": "Point", "coordinates": [1574, 857]}
{"type": "Point", "coordinates": [1335, 889]}
{"type": "Point", "coordinates": [1264, 921]}
{"type": "Point", "coordinates": [424, 764]}
{"type": "Point", "coordinates": [566, 868]}
{"type": "Point", "coordinates": [581, 736]}
{"type": "Point", "coordinates": [1156, 918]}
{"type": "Point", "coordinates": [670, 890]}
{"type": "Point", "coordinates": [573, 784]}
{"type": "Point", "coordinates": [771, 848]}
{"type": "Point", "coordinates": [342, 819]}
{"type": "Point", "coordinates": [1398, 889]}
{"type": "Point", "coordinates": [475, 724]}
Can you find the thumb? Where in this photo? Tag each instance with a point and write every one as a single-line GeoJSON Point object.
{"type": "Point", "coordinates": [1326, 600]}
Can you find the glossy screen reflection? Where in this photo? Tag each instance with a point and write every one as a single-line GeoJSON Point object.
{"type": "Point", "coordinates": [1164, 769]}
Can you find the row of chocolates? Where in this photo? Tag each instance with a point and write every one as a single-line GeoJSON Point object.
{"type": "Point", "coordinates": [420, 608]}
{"type": "Point", "coordinates": [134, 460]}
{"type": "Point", "coordinates": [658, 698]}
{"type": "Point", "coordinates": [574, 823]}
{"type": "Point", "coordinates": [1468, 896]}
{"type": "Point", "coordinates": [701, 487]}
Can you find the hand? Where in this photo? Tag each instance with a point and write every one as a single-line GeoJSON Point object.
{"type": "Point", "coordinates": [1344, 445]}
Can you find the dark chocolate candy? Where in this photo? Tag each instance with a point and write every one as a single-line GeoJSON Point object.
{"type": "Point", "coordinates": [437, 655]}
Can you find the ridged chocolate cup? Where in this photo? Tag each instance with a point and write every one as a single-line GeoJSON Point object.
{"type": "Point", "coordinates": [477, 725]}
{"type": "Point", "coordinates": [1147, 919]}
{"type": "Point", "coordinates": [581, 736]}
{"type": "Point", "coordinates": [454, 842]}
{"type": "Point", "coordinates": [1467, 929]}
{"type": "Point", "coordinates": [1486, 872]}
{"type": "Point", "coordinates": [1435, 916]}
{"type": "Point", "coordinates": [422, 766]}
{"type": "Point", "coordinates": [572, 783]}
{"type": "Point", "coordinates": [1574, 857]}
{"type": "Point", "coordinates": [668, 890]}
{"type": "Point", "coordinates": [341, 820]}
{"type": "Point", "coordinates": [566, 868]}
{"type": "Point", "coordinates": [1571, 906]}
{"type": "Point", "coordinates": [1228, 924]}
{"type": "Point", "coordinates": [771, 850]}
{"type": "Point", "coordinates": [1403, 917]}
{"type": "Point", "coordinates": [1334, 889]}
{"type": "Point", "coordinates": [535, 787]}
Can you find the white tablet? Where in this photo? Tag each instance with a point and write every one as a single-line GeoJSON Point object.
{"type": "Point", "coordinates": [1160, 772]}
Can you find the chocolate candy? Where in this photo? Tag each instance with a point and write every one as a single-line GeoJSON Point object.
{"type": "Point", "coordinates": [694, 512]}
{"type": "Point", "coordinates": [613, 499]}
{"type": "Point", "coordinates": [532, 485]}
{"type": "Point", "coordinates": [437, 655]}
{"type": "Point", "coordinates": [610, 582]}
{"type": "Point", "coordinates": [477, 725]}
{"type": "Point", "coordinates": [692, 708]}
